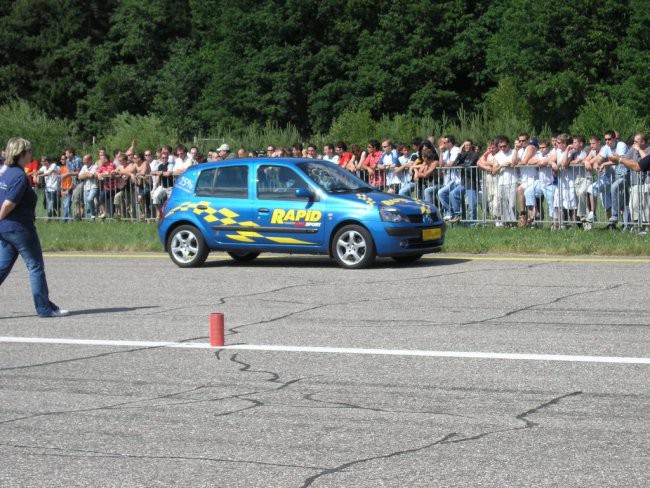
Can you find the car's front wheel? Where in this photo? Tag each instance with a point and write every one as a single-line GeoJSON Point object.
{"type": "Point", "coordinates": [353, 248]}
{"type": "Point", "coordinates": [242, 257]}
{"type": "Point", "coordinates": [186, 247]}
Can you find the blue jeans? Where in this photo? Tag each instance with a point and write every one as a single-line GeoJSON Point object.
{"type": "Point", "coordinates": [406, 189]}
{"type": "Point", "coordinates": [27, 244]}
{"type": "Point", "coordinates": [89, 200]}
{"type": "Point", "coordinates": [52, 202]}
{"type": "Point", "coordinates": [430, 193]}
{"type": "Point", "coordinates": [67, 204]}
{"type": "Point", "coordinates": [456, 197]}
{"type": "Point", "coordinates": [443, 196]}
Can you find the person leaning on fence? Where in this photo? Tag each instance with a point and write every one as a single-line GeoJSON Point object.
{"type": "Point", "coordinates": [165, 181]}
{"type": "Point", "coordinates": [544, 185]}
{"type": "Point", "coordinates": [346, 159]}
{"type": "Point", "coordinates": [18, 234]}
{"type": "Point", "coordinates": [506, 160]}
{"type": "Point", "coordinates": [637, 159]}
{"type": "Point", "coordinates": [123, 186]}
{"type": "Point", "coordinates": [451, 178]}
{"type": "Point", "coordinates": [424, 171]}
{"type": "Point", "coordinates": [466, 162]}
{"type": "Point", "coordinates": [50, 172]}
{"type": "Point", "coordinates": [403, 170]}
{"type": "Point", "coordinates": [143, 183]}
{"type": "Point", "coordinates": [73, 163]}
{"type": "Point", "coordinates": [105, 169]}
{"type": "Point", "coordinates": [87, 176]}
{"type": "Point", "coordinates": [527, 173]}
{"type": "Point", "coordinates": [388, 161]}
{"type": "Point", "coordinates": [486, 163]}
{"type": "Point", "coordinates": [583, 178]}
{"type": "Point", "coordinates": [565, 194]}
{"type": "Point", "coordinates": [370, 162]}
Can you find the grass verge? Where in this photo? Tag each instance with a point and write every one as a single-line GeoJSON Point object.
{"type": "Point", "coordinates": [128, 236]}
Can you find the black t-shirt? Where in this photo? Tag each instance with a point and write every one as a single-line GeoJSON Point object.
{"type": "Point", "coordinates": [468, 176]}
{"type": "Point", "coordinates": [644, 164]}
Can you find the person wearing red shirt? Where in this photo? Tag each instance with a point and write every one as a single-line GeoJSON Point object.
{"type": "Point", "coordinates": [370, 164]}
{"type": "Point", "coordinates": [30, 170]}
{"type": "Point", "coordinates": [346, 159]}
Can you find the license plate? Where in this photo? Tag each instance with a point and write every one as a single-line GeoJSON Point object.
{"type": "Point", "coordinates": [431, 234]}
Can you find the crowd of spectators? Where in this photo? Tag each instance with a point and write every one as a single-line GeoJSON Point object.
{"type": "Point", "coordinates": [522, 183]}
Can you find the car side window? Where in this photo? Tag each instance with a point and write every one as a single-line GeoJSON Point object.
{"type": "Point", "coordinates": [205, 183]}
{"type": "Point", "coordinates": [231, 182]}
{"type": "Point", "coordinates": [278, 183]}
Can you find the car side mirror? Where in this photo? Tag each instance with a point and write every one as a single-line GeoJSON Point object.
{"type": "Point", "coordinates": [304, 193]}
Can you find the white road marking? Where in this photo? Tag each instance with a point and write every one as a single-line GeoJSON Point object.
{"type": "Point", "coordinates": [333, 350]}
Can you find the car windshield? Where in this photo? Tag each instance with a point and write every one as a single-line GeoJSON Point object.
{"type": "Point", "coordinates": [332, 178]}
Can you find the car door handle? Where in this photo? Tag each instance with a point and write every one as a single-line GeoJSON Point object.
{"type": "Point", "coordinates": [263, 210]}
{"type": "Point", "coordinates": [202, 207]}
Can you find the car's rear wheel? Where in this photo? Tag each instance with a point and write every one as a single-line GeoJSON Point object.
{"type": "Point", "coordinates": [186, 247]}
{"type": "Point", "coordinates": [410, 258]}
{"type": "Point", "coordinates": [243, 256]}
{"type": "Point", "coordinates": [353, 247]}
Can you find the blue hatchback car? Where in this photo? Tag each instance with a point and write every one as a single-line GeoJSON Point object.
{"type": "Point", "coordinates": [286, 205]}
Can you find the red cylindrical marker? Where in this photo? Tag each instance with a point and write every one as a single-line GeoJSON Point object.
{"type": "Point", "coordinates": [216, 330]}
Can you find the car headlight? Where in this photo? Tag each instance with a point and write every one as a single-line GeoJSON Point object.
{"type": "Point", "coordinates": [391, 214]}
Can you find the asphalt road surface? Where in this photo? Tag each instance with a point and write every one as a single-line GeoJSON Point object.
{"type": "Point", "coordinates": [558, 397]}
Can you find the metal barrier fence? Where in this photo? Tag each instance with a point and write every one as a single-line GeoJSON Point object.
{"type": "Point", "coordinates": [467, 196]}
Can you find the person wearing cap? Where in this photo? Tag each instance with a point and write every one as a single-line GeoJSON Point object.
{"type": "Point", "coordinates": [223, 153]}
{"type": "Point", "coordinates": [17, 230]}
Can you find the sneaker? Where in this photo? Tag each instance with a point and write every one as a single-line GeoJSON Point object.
{"type": "Point", "coordinates": [447, 217]}
{"type": "Point", "coordinates": [454, 219]}
{"type": "Point", "coordinates": [57, 313]}
{"type": "Point", "coordinates": [613, 220]}
{"type": "Point", "coordinates": [590, 217]}
{"type": "Point", "coordinates": [498, 224]}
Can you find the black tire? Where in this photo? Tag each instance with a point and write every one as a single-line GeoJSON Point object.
{"type": "Point", "coordinates": [186, 247]}
{"type": "Point", "coordinates": [243, 257]}
{"type": "Point", "coordinates": [410, 258]}
{"type": "Point", "coordinates": [353, 247]}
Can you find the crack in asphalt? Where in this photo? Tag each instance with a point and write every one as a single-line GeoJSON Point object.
{"type": "Point", "coordinates": [114, 406]}
{"type": "Point", "coordinates": [93, 356]}
{"type": "Point", "coordinates": [85, 453]}
{"type": "Point", "coordinates": [451, 438]}
{"type": "Point", "coordinates": [337, 469]}
{"type": "Point", "coordinates": [540, 304]}
{"type": "Point", "coordinates": [383, 281]}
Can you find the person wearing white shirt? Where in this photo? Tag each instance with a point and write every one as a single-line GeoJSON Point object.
{"type": "Point", "coordinates": [183, 161]}
{"type": "Point", "coordinates": [506, 160]}
{"type": "Point", "coordinates": [329, 155]}
{"type": "Point", "coordinates": [51, 172]}
{"type": "Point", "coordinates": [607, 183]}
{"type": "Point", "coordinates": [90, 187]}
{"type": "Point", "coordinates": [450, 152]}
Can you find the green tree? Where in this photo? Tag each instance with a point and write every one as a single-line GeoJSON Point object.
{"type": "Point", "coordinates": [558, 53]}
{"type": "Point", "coordinates": [126, 64]}
{"type": "Point", "coordinates": [45, 50]}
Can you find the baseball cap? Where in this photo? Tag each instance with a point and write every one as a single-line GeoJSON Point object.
{"type": "Point", "coordinates": [224, 147]}
{"type": "Point", "coordinates": [533, 141]}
